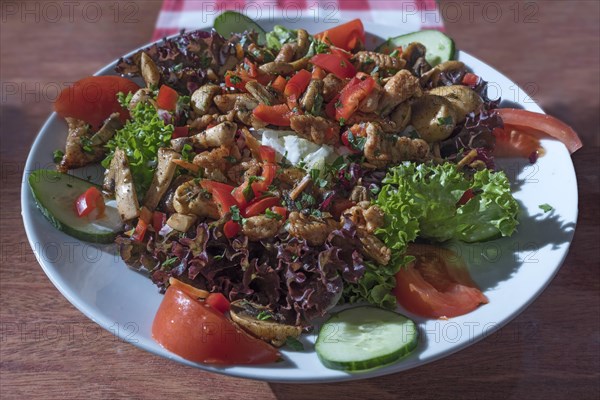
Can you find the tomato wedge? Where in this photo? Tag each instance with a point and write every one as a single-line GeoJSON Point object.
{"type": "Point", "coordinates": [531, 122]}
{"type": "Point", "coordinates": [347, 36]}
{"type": "Point", "coordinates": [218, 302]}
{"type": "Point", "coordinates": [200, 333]}
{"type": "Point", "coordinates": [511, 142]}
{"type": "Point", "coordinates": [437, 284]}
{"type": "Point", "coordinates": [275, 115]}
{"type": "Point", "coordinates": [334, 63]}
{"type": "Point", "coordinates": [94, 98]}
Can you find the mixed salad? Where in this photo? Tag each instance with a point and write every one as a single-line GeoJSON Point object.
{"type": "Point", "coordinates": [261, 179]}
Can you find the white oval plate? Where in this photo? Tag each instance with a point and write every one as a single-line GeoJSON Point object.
{"type": "Point", "coordinates": [512, 272]}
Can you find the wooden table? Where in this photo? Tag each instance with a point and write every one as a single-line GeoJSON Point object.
{"type": "Point", "coordinates": [50, 350]}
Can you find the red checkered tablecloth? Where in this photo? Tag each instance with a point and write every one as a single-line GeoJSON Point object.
{"type": "Point", "coordinates": [413, 15]}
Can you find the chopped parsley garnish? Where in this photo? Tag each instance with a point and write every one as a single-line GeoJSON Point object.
{"type": "Point", "coordinates": [315, 175]}
{"type": "Point", "coordinates": [546, 207]}
{"type": "Point", "coordinates": [140, 139]}
{"type": "Point", "coordinates": [394, 53]}
{"type": "Point", "coordinates": [368, 61]}
{"type": "Point", "coordinates": [86, 144]}
{"type": "Point", "coordinates": [342, 121]}
{"type": "Point", "coordinates": [358, 142]}
{"type": "Point", "coordinates": [338, 104]}
{"type": "Point", "coordinates": [234, 79]}
{"type": "Point", "coordinates": [447, 120]}
{"type": "Point", "coordinates": [230, 159]}
{"type": "Point", "coordinates": [235, 214]}
{"type": "Point", "coordinates": [317, 105]}
{"type": "Point", "coordinates": [343, 64]}
{"type": "Point", "coordinates": [57, 156]}
{"type": "Point", "coordinates": [187, 153]}
{"type": "Point", "coordinates": [273, 215]}
{"type": "Point", "coordinates": [264, 315]}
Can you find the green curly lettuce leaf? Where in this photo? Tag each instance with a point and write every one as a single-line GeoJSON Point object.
{"type": "Point", "coordinates": [425, 201]}
{"type": "Point", "coordinates": [140, 139]}
{"type": "Point", "coordinates": [279, 36]}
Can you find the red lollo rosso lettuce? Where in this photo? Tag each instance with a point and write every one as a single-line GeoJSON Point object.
{"type": "Point", "coordinates": [183, 60]}
{"type": "Point", "coordinates": [296, 281]}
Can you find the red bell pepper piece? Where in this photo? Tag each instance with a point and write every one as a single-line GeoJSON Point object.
{"type": "Point", "coordinates": [90, 200]}
{"type": "Point", "coordinates": [221, 193]}
{"type": "Point", "coordinates": [351, 96]}
{"type": "Point", "coordinates": [275, 115]}
{"type": "Point", "coordinates": [334, 63]}
{"type": "Point", "coordinates": [347, 36]}
{"type": "Point", "coordinates": [296, 86]}
{"type": "Point", "coordinates": [167, 98]}
{"type": "Point", "coordinates": [267, 154]}
{"type": "Point", "coordinates": [140, 231]}
{"type": "Point", "coordinates": [259, 207]}
{"type": "Point", "coordinates": [231, 229]}
{"type": "Point", "coordinates": [470, 79]}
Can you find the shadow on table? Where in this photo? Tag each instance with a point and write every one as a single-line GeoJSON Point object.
{"type": "Point", "coordinates": [452, 378]}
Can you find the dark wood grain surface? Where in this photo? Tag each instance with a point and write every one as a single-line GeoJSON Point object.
{"type": "Point", "coordinates": [50, 350]}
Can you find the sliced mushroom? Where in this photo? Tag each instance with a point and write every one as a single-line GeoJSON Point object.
{"type": "Point", "coordinates": [464, 99]}
{"type": "Point", "coordinates": [268, 328]}
{"type": "Point", "coordinates": [434, 117]}
{"type": "Point", "coordinates": [165, 170]}
{"type": "Point", "coordinates": [401, 116]}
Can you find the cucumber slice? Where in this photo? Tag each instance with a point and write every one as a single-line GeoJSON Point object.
{"type": "Point", "coordinates": [55, 193]}
{"type": "Point", "coordinates": [229, 22]}
{"type": "Point", "coordinates": [440, 48]}
{"type": "Point", "coordinates": [365, 337]}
